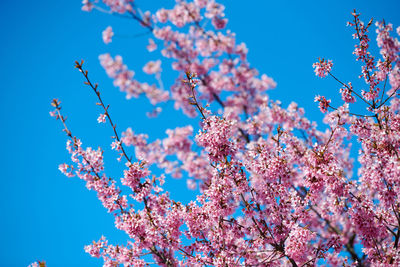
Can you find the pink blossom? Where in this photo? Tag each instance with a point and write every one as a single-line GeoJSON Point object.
{"type": "Point", "coordinates": [347, 94]}
{"type": "Point", "coordinates": [323, 103]}
{"type": "Point", "coordinates": [151, 46]}
{"type": "Point", "coordinates": [133, 175]}
{"type": "Point", "coordinates": [94, 249]}
{"type": "Point", "coordinates": [124, 79]}
{"type": "Point", "coordinates": [119, 6]}
{"type": "Point", "coordinates": [219, 23]}
{"type": "Point", "coordinates": [154, 113]}
{"type": "Point", "coordinates": [37, 264]}
{"type": "Point", "coordinates": [297, 244]}
{"type": "Point", "coordinates": [107, 35]}
{"type": "Point", "coordinates": [101, 118]}
{"type": "Point", "coordinates": [66, 169]}
{"type": "Point", "coordinates": [191, 184]}
{"type": "Point", "coordinates": [87, 5]}
{"type": "Point", "coordinates": [323, 67]}
{"type": "Point", "coordinates": [178, 140]}
{"type": "Point", "coordinates": [215, 137]}
{"type": "Point", "coordinates": [214, 9]}
{"type": "Point", "coordinates": [129, 138]}
{"type": "Point", "coordinates": [162, 15]}
{"type": "Point", "coordinates": [152, 67]}
{"type": "Point", "coordinates": [116, 145]}
{"type": "Point", "coordinates": [390, 47]}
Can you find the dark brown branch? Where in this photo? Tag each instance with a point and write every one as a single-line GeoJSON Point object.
{"type": "Point", "coordinates": [105, 108]}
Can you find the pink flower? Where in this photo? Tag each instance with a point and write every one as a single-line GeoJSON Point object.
{"type": "Point", "coordinates": [322, 67]}
{"type": "Point", "coordinates": [120, 6]}
{"type": "Point", "coordinates": [66, 169]}
{"type": "Point", "coordinates": [154, 113]}
{"type": "Point", "coordinates": [152, 67]}
{"type": "Point", "coordinates": [390, 47]}
{"type": "Point", "coordinates": [87, 5]}
{"type": "Point", "coordinates": [298, 242]}
{"type": "Point", "coordinates": [101, 118]}
{"type": "Point", "coordinates": [215, 137]}
{"type": "Point", "coordinates": [346, 94]}
{"type": "Point", "coordinates": [214, 9]}
{"type": "Point", "coordinates": [124, 79]}
{"type": "Point", "coordinates": [95, 248]}
{"type": "Point", "coordinates": [151, 46]}
{"type": "Point", "coordinates": [116, 145]}
{"type": "Point", "coordinates": [191, 184]}
{"type": "Point", "coordinates": [162, 15]}
{"type": "Point", "coordinates": [323, 103]}
{"type": "Point", "coordinates": [107, 35]}
{"type": "Point", "coordinates": [219, 23]}
{"type": "Point", "coordinates": [133, 175]}
{"type": "Point", "coordinates": [201, 3]}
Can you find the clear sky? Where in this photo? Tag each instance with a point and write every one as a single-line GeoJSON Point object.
{"type": "Point", "coordinates": [49, 217]}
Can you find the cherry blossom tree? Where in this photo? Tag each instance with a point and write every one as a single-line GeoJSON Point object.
{"type": "Point", "coordinates": [273, 190]}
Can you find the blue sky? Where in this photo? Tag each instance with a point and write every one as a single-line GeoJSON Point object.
{"type": "Point", "coordinates": [49, 217]}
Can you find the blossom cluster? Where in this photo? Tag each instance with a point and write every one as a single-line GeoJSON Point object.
{"type": "Point", "coordinates": [124, 79]}
{"type": "Point", "coordinates": [323, 67]}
